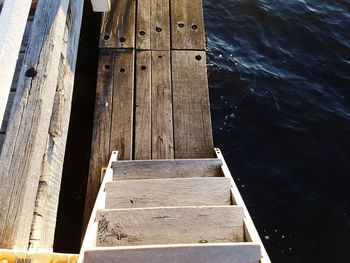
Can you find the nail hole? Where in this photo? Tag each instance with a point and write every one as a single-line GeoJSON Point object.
{"type": "Point", "coordinates": [198, 57]}
{"type": "Point", "coordinates": [194, 27]}
{"type": "Point", "coordinates": [106, 37]}
{"type": "Point", "coordinates": [181, 25]}
{"type": "Point", "coordinates": [143, 67]}
{"type": "Point", "coordinates": [122, 70]}
{"type": "Point", "coordinates": [107, 67]}
{"type": "Point", "coordinates": [122, 39]}
{"type": "Point", "coordinates": [159, 56]}
{"type": "Point", "coordinates": [158, 29]}
{"type": "Point", "coordinates": [142, 33]}
{"type": "Point", "coordinates": [31, 73]}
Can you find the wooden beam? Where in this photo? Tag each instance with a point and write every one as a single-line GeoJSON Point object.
{"type": "Point", "coordinates": [101, 5]}
{"type": "Point", "coordinates": [45, 214]}
{"type": "Point", "coordinates": [25, 142]}
{"type": "Point", "coordinates": [203, 253]}
{"type": "Point", "coordinates": [13, 21]}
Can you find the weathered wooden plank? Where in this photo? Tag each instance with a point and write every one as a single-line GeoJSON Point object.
{"type": "Point", "coordinates": [143, 24]}
{"type": "Point", "coordinates": [192, 122]}
{"type": "Point", "coordinates": [118, 25]}
{"type": "Point", "coordinates": [157, 169]}
{"type": "Point", "coordinates": [187, 25]}
{"type": "Point", "coordinates": [123, 105]}
{"type": "Point", "coordinates": [101, 5]}
{"type": "Point", "coordinates": [172, 225]}
{"type": "Point", "coordinates": [13, 20]}
{"type": "Point", "coordinates": [153, 25]}
{"type": "Point", "coordinates": [168, 192]}
{"type": "Point", "coordinates": [204, 253]}
{"type": "Point", "coordinates": [45, 213]}
{"type": "Point", "coordinates": [100, 146]}
{"type": "Point", "coordinates": [162, 107]}
{"type": "Point", "coordinates": [160, 25]}
{"type": "Point", "coordinates": [7, 255]}
{"type": "Point", "coordinates": [7, 112]}
{"type": "Point", "coordinates": [143, 129]}
{"type": "Point", "coordinates": [29, 125]}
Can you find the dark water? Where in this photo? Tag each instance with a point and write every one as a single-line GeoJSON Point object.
{"type": "Point", "coordinates": [279, 84]}
{"type": "Point", "coordinates": [280, 94]}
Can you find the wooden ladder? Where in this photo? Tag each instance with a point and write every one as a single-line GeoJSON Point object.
{"type": "Point", "coordinates": [170, 211]}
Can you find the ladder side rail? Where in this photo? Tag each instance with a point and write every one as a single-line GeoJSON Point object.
{"type": "Point", "coordinates": [89, 241]}
{"type": "Point", "coordinates": [252, 233]}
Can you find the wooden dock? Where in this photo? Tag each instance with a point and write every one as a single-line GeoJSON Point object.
{"type": "Point", "coordinates": [163, 193]}
{"type": "Point", "coordinates": [157, 188]}
{"type": "Point", "coordinates": [152, 97]}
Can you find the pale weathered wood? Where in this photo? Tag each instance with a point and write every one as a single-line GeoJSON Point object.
{"type": "Point", "coordinates": [89, 240]}
{"type": "Point", "coordinates": [143, 129]}
{"type": "Point", "coordinates": [17, 71]}
{"type": "Point", "coordinates": [162, 108]}
{"type": "Point", "coordinates": [100, 146]}
{"type": "Point", "coordinates": [118, 25]}
{"type": "Point", "coordinates": [168, 192]}
{"type": "Point", "coordinates": [143, 24]}
{"type": "Point", "coordinates": [7, 255]}
{"type": "Point", "coordinates": [171, 225]}
{"type": "Point", "coordinates": [45, 213]}
{"type": "Point", "coordinates": [101, 5]}
{"type": "Point", "coordinates": [157, 169]}
{"type": "Point", "coordinates": [13, 20]}
{"type": "Point", "coordinates": [251, 233]}
{"type": "Point", "coordinates": [192, 122]}
{"type": "Point", "coordinates": [25, 143]}
{"type": "Point", "coordinates": [187, 25]}
{"type": "Point", "coordinates": [123, 105]}
{"type": "Point", "coordinates": [26, 35]}
{"type": "Point", "coordinates": [187, 253]}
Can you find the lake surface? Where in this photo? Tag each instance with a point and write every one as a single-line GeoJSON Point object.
{"type": "Point", "coordinates": [279, 75]}
{"type": "Point", "coordinates": [280, 93]}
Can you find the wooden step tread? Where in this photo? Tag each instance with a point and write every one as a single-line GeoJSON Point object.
{"type": "Point", "coordinates": [156, 169]}
{"type": "Point", "coordinates": [168, 192]}
{"type": "Point", "coordinates": [170, 225]}
{"type": "Point", "coordinates": [186, 253]}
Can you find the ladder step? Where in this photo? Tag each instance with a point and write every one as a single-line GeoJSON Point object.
{"type": "Point", "coordinates": [168, 192]}
{"type": "Point", "coordinates": [157, 169]}
{"type": "Point", "coordinates": [171, 225]}
{"type": "Point", "coordinates": [188, 253]}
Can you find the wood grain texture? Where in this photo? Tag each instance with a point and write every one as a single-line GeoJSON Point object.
{"type": "Point", "coordinates": [118, 25]}
{"type": "Point", "coordinates": [172, 225]}
{"type": "Point", "coordinates": [143, 25]}
{"type": "Point", "coordinates": [157, 169]}
{"type": "Point", "coordinates": [29, 125]}
{"type": "Point", "coordinates": [192, 122]}
{"type": "Point", "coordinates": [123, 105]}
{"type": "Point", "coordinates": [160, 25]}
{"type": "Point", "coordinates": [168, 192]}
{"type": "Point", "coordinates": [203, 253]}
{"type": "Point", "coordinates": [45, 213]}
{"type": "Point", "coordinates": [100, 146]}
{"type": "Point", "coordinates": [187, 25]}
{"type": "Point", "coordinates": [162, 107]}
{"type": "Point", "coordinates": [143, 118]}
{"type": "Point", "coordinates": [7, 112]}
{"type": "Point", "coordinates": [153, 25]}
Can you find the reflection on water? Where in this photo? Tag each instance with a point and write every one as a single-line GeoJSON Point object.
{"type": "Point", "coordinates": [279, 74]}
